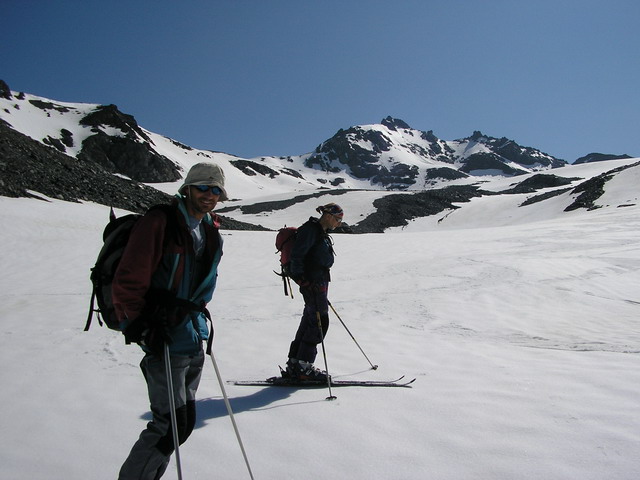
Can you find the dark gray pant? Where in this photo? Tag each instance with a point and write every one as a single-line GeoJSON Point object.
{"type": "Point", "coordinates": [150, 455]}
{"type": "Point", "coordinates": [308, 336]}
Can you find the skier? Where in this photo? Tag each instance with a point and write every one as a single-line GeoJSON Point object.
{"type": "Point", "coordinates": [160, 290]}
{"type": "Point", "coordinates": [311, 259]}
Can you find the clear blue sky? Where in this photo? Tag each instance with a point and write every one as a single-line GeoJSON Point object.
{"type": "Point", "coordinates": [278, 77]}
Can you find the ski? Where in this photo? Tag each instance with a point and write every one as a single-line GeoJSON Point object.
{"type": "Point", "coordinates": [287, 382]}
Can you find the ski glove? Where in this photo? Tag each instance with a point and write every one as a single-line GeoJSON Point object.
{"type": "Point", "coordinates": [151, 336]}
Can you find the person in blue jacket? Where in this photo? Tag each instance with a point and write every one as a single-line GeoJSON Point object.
{"type": "Point", "coordinates": [165, 279]}
{"type": "Point", "coordinates": [312, 257]}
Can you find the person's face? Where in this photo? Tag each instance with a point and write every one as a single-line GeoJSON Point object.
{"type": "Point", "coordinates": [201, 200]}
{"type": "Point", "coordinates": [334, 221]}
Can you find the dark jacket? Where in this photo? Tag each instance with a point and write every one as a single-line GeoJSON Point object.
{"type": "Point", "coordinates": [312, 254]}
{"type": "Point", "coordinates": [152, 262]}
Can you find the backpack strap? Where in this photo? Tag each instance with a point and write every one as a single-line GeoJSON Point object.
{"type": "Point", "coordinates": [210, 339]}
{"type": "Point", "coordinates": [91, 310]}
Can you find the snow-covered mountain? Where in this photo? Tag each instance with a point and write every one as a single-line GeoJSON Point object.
{"type": "Point", "coordinates": [389, 173]}
{"type": "Point", "coordinates": [389, 155]}
{"type": "Point", "coordinates": [395, 156]}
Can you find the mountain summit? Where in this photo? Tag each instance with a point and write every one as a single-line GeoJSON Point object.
{"type": "Point", "coordinates": [395, 156]}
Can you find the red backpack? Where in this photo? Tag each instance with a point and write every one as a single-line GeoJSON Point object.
{"type": "Point", "coordinates": [285, 239]}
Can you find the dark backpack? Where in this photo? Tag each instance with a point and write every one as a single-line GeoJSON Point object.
{"type": "Point", "coordinates": [285, 239]}
{"type": "Point", "coordinates": [115, 238]}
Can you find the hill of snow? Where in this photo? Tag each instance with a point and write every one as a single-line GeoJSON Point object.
{"type": "Point", "coordinates": [519, 323]}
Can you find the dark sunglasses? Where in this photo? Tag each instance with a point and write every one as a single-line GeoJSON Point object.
{"type": "Point", "coordinates": [215, 190]}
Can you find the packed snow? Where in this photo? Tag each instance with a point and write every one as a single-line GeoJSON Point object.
{"type": "Point", "coordinates": [520, 325]}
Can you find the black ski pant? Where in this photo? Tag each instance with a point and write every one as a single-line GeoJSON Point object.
{"type": "Point", "coordinates": [309, 335]}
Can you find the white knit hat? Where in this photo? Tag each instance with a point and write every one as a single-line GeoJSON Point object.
{"type": "Point", "coordinates": [206, 173]}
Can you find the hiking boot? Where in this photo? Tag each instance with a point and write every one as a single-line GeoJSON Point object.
{"type": "Point", "coordinates": [304, 371]}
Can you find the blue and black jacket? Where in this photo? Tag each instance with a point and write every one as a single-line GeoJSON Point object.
{"type": "Point", "coordinates": [160, 276]}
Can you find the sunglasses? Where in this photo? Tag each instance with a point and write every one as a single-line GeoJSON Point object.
{"type": "Point", "coordinates": [215, 190]}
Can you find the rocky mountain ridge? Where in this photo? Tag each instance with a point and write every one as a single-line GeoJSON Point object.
{"type": "Point", "coordinates": [86, 152]}
{"type": "Point", "coordinates": [397, 157]}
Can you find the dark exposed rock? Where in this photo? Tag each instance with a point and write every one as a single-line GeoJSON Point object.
{"type": "Point", "coordinates": [429, 136]}
{"type": "Point", "coordinates": [511, 151]}
{"type": "Point", "coordinates": [394, 123]}
{"type": "Point", "coordinates": [544, 196]}
{"type": "Point", "coordinates": [65, 140]}
{"type": "Point", "coordinates": [589, 191]}
{"type": "Point", "coordinates": [445, 174]}
{"type": "Point", "coordinates": [488, 161]}
{"type": "Point", "coordinates": [271, 206]}
{"type": "Point", "coordinates": [180, 145]}
{"type": "Point", "coordinates": [30, 169]}
{"type": "Point", "coordinates": [538, 181]}
{"type": "Point", "coordinates": [344, 147]}
{"type": "Point", "coordinates": [401, 176]}
{"type": "Point", "coordinates": [592, 189]}
{"type": "Point", "coordinates": [251, 168]}
{"type": "Point", "coordinates": [41, 104]}
{"type": "Point", "coordinates": [599, 157]}
{"type": "Point", "coordinates": [66, 137]}
{"type": "Point", "coordinates": [111, 116]}
{"type": "Point", "coordinates": [293, 173]}
{"type": "Point", "coordinates": [5, 91]}
{"type": "Point", "coordinates": [274, 205]}
{"type": "Point", "coordinates": [128, 157]}
{"type": "Point", "coordinates": [396, 210]}
{"type": "Point", "coordinates": [55, 143]}
{"type": "Point", "coordinates": [227, 223]}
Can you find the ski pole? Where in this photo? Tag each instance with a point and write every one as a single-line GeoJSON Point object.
{"type": "Point", "coordinates": [228, 405]}
{"type": "Point", "coordinates": [172, 408]}
{"type": "Point", "coordinates": [373, 367]}
{"type": "Point", "coordinates": [324, 354]}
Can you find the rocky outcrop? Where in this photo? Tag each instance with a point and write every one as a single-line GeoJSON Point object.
{"type": "Point", "coordinates": [599, 157]}
{"type": "Point", "coordinates": [394, 123]}
{"type": "Point", "coordinates": [128, 157]}
{"type": "Point", "coordinates": [539, 181]}
{"type": "Point", "coordinates": [484, 162]}
{"type": "Point", "coordinates": [30, 169]}
{"type": "Point", "coordinates": [5, 91]}
{"type": "Point", "coordinates": [129, 154]}
{"type": "Point", "coordinates": [591, 190]}
{"type": "Point", "coordinates": [397, 210]}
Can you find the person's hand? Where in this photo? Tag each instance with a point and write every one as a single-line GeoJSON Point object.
{"type": "Point", "coordinates": [154, 338]}
{"type": "Point", "coordinates": [133, 332]}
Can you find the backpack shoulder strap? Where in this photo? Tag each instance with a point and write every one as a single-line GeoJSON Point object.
{"type": "Point", "coordinates": [171, 229]}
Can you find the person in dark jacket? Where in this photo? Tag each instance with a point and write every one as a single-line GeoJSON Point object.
{"type": "Point", "coordinates": [165, 278]}
{"type": "Point", "coordinates": [311, 260]}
